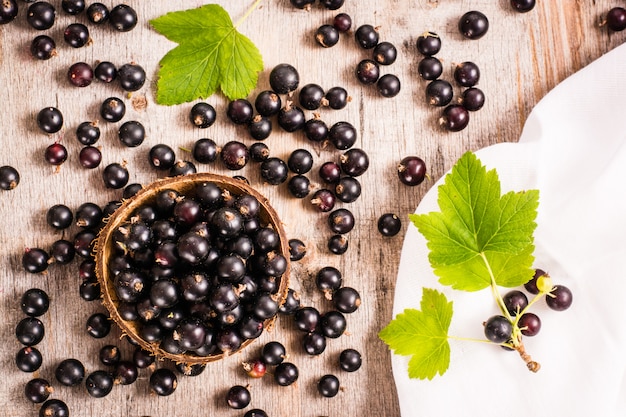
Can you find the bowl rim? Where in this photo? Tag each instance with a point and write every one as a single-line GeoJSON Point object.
{"type": "Point", "coordinates": [102, 248]}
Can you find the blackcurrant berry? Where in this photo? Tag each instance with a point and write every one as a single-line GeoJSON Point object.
{"type": "Point", "coordinates": [428, 44]}
{"type": "Point", "coordinates": [9, 177]}
{"type": "Point", "coordinates": [328, 385]}
{"type": "Point", "coordinates": [131, 134]}
{"type": "Point", "coordinates": [342, 22]}
{"type": "Point", "coordinates": [37, 390]}
{"type": "Point", "coordinates": [162, 157]}
{"type": "Point", "coordinates": [385, 53]}
{"type": "Point", "coordinates": [498, 329]}
{"type": "Point", "coordinates": [616, 19]}
{"type": "Point", "coordinates": [366, 36]}
{"type": "Point", "coordinates": [367, 72]}
{"type": "Point", "coordinates": [529, 324]}
{"type": "Point", "coordinates": [73, 7]}
{"type": "Point", "coordinates": [523, 6]}
{"type": "Point", "coordinates": [35, 260]}
{"type": "Point", "coordinates": [297, 251]}
{"type": "Point", "coordinates": [260, 127]}
{"type": "Point", "coordinates": [346, 300]}
{"type": "Point", "coordinates": [234, 155]}
{"type": "Point", "coordinates": [98, 325]}
{"type": "Point", "coordinates": [267, 103]}
{"type": "Point", "coordinates": [50, 119]}
{"type": "Point", "coordinates": [112, 109]}
{"type": "Point", "coordinates": [342, 135]}
{"type": "Point", "coordinates": [315, 130]}
{"type": "Point", "coordinates": [123, 18]}
{"type": "Point", "coordinates": [41, 15]}
{"type": "Point", "coordinates": [8, 11]}
{"type": "Point", "coordinates": [389, 224]}
{"type": "Point", "coordinates": [55, 154]}
{"type": "Point", "coordinates": [354, 162]}
{"type": "Point", "coordinates": [299, 186]}
{"type": "Point", "coordinates": [97, 13]}
{"type": "Point", "coordinates": [311, 96]}
{"type": "Point", "coordinates": [291, 118]}
{"type": "Point", "coordinates": [302, 4]}
{"type": "Point", "coordinates": [330, 172]}
{"type": "Point", "coordinates": [34, 302]}
{"type": "Point", "coordinates": [115, 176]}
{"type": "Point", "coordinates": [88, 133]}
{"type": "Point", "coordinates": [273, 353]}
{"type": "Point", "coordinates": [350, 360]}
{"type": "Point", "coordinates": [259, 152]}
{"type": "Point", "coordinates": [286, 373]}
{"type": "Point", "coordinates": [473, 24]}
{"type": "Point", "coordinates": [388, 85]}
{"type": "Point", "coordinates": [28, 359]}
{"type": "Point", "coordinates": [300, 161]}
{"type": "Point", "coordinates": [327, 36]}
{"type": "Point", "coordinates": [70, 372]}
{"type": "Point", "coordinates": [323, 200]}
{"type": "Point", "coordinates": [337, 98]}
{"type": "Point", "coordinates": [473, 99]}
{"type": "Point", "coordinates": [238, 397]}
{"type": "Point", "coordinates": [439, 93]}
{"type": "Point", "coordinates": [59, 216]}
{"type": "Point", "coordinates": [43, 47]}
{"type": "Point", "coordinates": [348, 189]}
{"type": "Point", "coordinates": [341, 221]}
{"type": "Point", "coordinates": [76, 35]}
{"type": "Point", "coordinates": [105, 71]}
{"type": "Point", "coordinates": [429, 68]}
{"type": "Point", "coordinates": [560, 298]}
{"type": "Point", "coordinates": [131, 76]}
{"type": "Point", "coordinates": [332, 4]}
{"type": "Point", "coordinates": [338, 244]}
{"type": "Point", "coordinates": [284, 78]}
{"type": "Point", "coordinates": [466, 74]}
{"type": "Point", "coordinates": [411, 170]}
{"type": "Point", "coordinates": [455, 118]}
{"type": "Point", "coordinates": [99, 383]}
{"type": "Point", "coordinates": [54, 408]}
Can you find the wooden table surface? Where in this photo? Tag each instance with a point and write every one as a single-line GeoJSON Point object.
{"type": "Point", "coordinates": [521, 58]}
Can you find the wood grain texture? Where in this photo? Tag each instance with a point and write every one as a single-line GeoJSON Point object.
{"type": "Point", "coordinates": [522, 57]}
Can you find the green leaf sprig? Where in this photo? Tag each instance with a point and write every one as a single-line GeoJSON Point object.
{"type": "Point", "coordinates": [479, 239]}
{"type": "Point", "coordinates": [211, 55]}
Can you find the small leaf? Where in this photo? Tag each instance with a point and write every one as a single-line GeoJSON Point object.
{"type": "Point", "coordinates": [211, 55]}
{"type": "Point", "coordinates": [423, 335]}
{"type": "Point", "coordinates": [478, 229]}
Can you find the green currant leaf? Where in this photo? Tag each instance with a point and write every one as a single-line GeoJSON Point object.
{"type": "Point", "coordinates": [423, 335]}
{"type": "Point", "coordinates": [478, 231]}
{"type": "Point", "coordinates": [211, 55]}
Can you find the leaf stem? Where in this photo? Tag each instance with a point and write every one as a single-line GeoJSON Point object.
{"type": "Point", "coordinates": [248, 12]}
{"type": "Point", "coordinates": [494, 289]}
{"type": "Point", "coordinates": [470, 339]}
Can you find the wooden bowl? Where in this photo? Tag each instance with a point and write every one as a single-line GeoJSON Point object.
{"type": "Point", "coordinates": [185, 185]}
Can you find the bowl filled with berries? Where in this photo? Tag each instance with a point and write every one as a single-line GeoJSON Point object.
{"type": "Point", "coordinates": [193, 268]}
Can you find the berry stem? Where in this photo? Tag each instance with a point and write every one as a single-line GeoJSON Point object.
{"type": "Point", "coordinates": [494, 289]}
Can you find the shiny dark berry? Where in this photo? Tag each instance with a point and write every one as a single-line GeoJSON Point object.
{"type": "Point", "coordinates": [385, 53]}
{"type": "Point", "coordinates": [37, 390]}
{"type": "Point", "coordinates": [348, 189]}
{"type": "Point", "coordinates": [350, 360]}
{"type": "Point", "coordinates": [110, 355]}
{"type": "Point", "coordinates": [123, 18]}
{"type": "Point", "coordinates": [338, 244]}
{"type": "Point", "coordinates": [131, 133]}
{"type": "Point", "coordinates": [428, 44]}
{"type": "Point", "coordinates": [299, 186]}
{"type": "Point", "coordinates": [439, 93]}
{"type": "Point", "coordinates": [267, 103]}
{"type": "Point", "coordinates": [342, 135]}
{"type": "Point", "coordinates": [90, 157]}
{"type": "Point", "coordinates": [616, 19]}
{"type": "Point", "coordinates": [234, 155]}
{"type": "Point", "coordinates": [367, 72]}
{"type": "Point", "coordinates": [286, 373]}
{"type": "Point", "coordinates": [62, 251]}
{"type": "Point", "coordinates": [429, 68]}
{"type": "Point", "coordinates": [205, 150]}
{"type": "Point", "coordinates": [112, 109]}
{"type": "Point", "coordinates": [43, 47]}
{"type": "Point", "coordinates": [273, 353]}
{"type": "Point", "coordinates": [8, 11]}
{"type": "Point", "coordinates": [182, 168]}
{"type": "Point", "coordinates": [115, 176]}
{"type": "Point", "coordinates": [315, 130]}
{"type": "Point", "coordinates": [515, 301]}
{"type": "Point", "coordinates": [84, 242]}
{"type": "Point", "coordinates": [560, 298]}
{"type": "Point", "coordinates": [125, 373]}
{"type": "Point", "coordinates": [54, 408]}
{"type": "Point", "coordinates": [35, 260]}
{"type": "Point", "coordinates": [88, 133]}
{"type": "Point", "coordinates": [342, 22]}
{"type": "Point", "coordinates": [498, 329]}
{"type": "Point", "coordinates": [300, 161]}
{"type": "Point", "coordinates": [29, 331]}
{"type": "Point", "coordinates": [366, 36]}
{"type": "Point", "coordinates": [76, 35]}
{"type": "Point", "coordinates": [28, 359]}
{"type": "Point", "coordinates": [259, 152]}
{"type": "Point", "coordinates": [330, 172]}
{"type": "Point", "coordinates": [389, 224]}
{"type": "Point", "coordinates": [55, 154]}
{"type": "Point", "coordinates": [473, 99]}
{"type": "Point", "coordinates": [73, 7]}
{"type": "Point", "coordinates": [34, 302]}
{"type": "Point", "coordinates": [473, 24]}
{"type": "Point", "coordinates": [337, 98]}
{"type": "Point", "coordinates": [59, 216]}
{"type": "Point", "coordinates": [274, 171]}
{"type": "Point", "coordinates": [341, 221]}
{"type": "Point", "coordinates": [323, 200]}
{"type": "Point", "coordinates": [70, 372]}
{"type": "Point", "coordinates": [41, 15]}
{"type": "Point", "coordinates": [257, 412]}
{"type": "Point", "coordinates": [411, 170]}
{"type": "Point", "coordinates": [131, 76]}
{"type": "Point", "coordinates": [529, 324]}
{"type": "Point", "coordinates": [162, 157]}
{"type": "Point", "coordinates": [297, 249]}
{"type": "Point", "coordinates": [99, 383]}
{"type": "Point", "coordinates": [260, 127]}
{"type": "Point", "coordinates": [354, 162]}
{"type": "Point", "coordinates": [238, 397]}
{"type": "Point", "coordinates": [291, 118]}
{"type": "Point", "coordinates": [332, 4]}
{"type": "Point", "coordinates": [284, 78]}
{"type": "Point", "coordinates": [302, 4]}
{"type": "Point", "coordinates": [97, 13]}
{"type": "Point", "coordinates": [98, 325]}
{"type": "Point", "coordinates": [523, 6]}
{"type": "Point", "coordinates": [311, 96]}
{"type": "Point", "coordinates": [50, 119]}
{"type": "Point", "coordinates": [306, 319]}
{"type": "Point", "coordinates": [466, 74]}
{"type": "Point", "coordinates": [531, 285]}
{"type": "Point", "coordinates": [327, 36]}
{"type": "Point", "coordinates": [9, 177]}
{"type": "Point", "coordinates": [346, 299]}
{"type": "Point", "coordinates": [388, 85]}
{"type": "Point", "coordinates": [328, 385]}
{"type": "Point", "coordinates": [105, 71]}
{"type": "Point", "coordinates": [455, 118]}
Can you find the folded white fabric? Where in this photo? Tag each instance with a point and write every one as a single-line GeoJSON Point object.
{"type": "Point", "coordinates": [573, 149]}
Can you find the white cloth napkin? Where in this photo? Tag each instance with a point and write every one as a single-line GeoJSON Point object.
{"type": "Point", "coordinates": [573, 150]}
